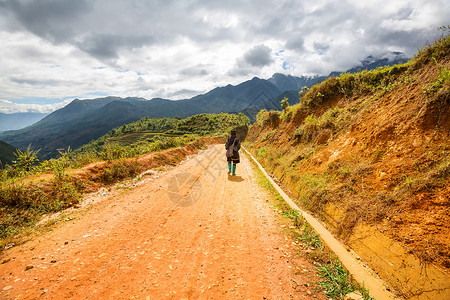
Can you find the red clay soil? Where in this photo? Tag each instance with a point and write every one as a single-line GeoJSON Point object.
{"type": "Point", "coordinates": [192, 233]}
{"type": "Point", "coordinates": [389, 141]}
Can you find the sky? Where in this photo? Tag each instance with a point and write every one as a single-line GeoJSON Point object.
{"type": "Point", "coordinates": [53, 51]}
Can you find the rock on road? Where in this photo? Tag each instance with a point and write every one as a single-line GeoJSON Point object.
{"type": "Point", "coordinates": [192, 233]}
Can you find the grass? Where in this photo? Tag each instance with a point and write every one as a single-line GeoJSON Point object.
{"type": "Point", "coordinates": [119, 170]}
{"type": "Point", "coordinates": [336, 280]}
{"type": "Point", "coordinates": [313, 191]}
{"type": "Point", "coordinates": [22, 204]}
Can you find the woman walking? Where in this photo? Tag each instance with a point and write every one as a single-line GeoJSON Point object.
{"type": "Point", "coordinates": [232, 146]}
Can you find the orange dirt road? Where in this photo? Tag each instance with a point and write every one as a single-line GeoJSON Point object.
{"type": "Point", "coordinates": [192, 233]}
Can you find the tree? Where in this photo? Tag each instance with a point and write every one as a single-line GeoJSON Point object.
{"type": "Point", "coordinates": [284, 103]}
{"type": "Point", "coordinates": [304, 90]}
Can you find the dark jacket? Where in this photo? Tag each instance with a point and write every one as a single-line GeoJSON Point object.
{"type": "Point", "coordinates": [237, 146]}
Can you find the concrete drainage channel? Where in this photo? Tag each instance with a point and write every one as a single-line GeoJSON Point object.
{"type": "Point", "coordinates": [359, 272]}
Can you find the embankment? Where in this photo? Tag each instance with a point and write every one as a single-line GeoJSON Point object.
{"type": "Point", "coordinates": [368, 154]}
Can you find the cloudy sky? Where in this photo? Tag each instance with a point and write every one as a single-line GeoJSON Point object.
{"type": "Point", "coordinates": [53, 51]}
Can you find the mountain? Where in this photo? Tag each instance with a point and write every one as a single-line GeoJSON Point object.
{"type": "Point", "coordinates": [289, 82]}
{"type": "Point", "coordinates": [84, 120]}
{"type": "Point", "coordinates": [19, 120]}
{"type": "Point", "coordinates": [6, 153]}
{"type": "Point", "coordinates": [371, 62]}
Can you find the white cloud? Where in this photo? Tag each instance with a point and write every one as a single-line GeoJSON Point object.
{"type": "Point", "coordinates": [75, 49]}
{"type": "Point", "coordinates": [9, 107]}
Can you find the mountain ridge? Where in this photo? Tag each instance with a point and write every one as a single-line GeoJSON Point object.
{"type": "Point", "coordinates": [83, 120]}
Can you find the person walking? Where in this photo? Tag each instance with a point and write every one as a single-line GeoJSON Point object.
{"type": "Point", "coordinates": [232, 146]}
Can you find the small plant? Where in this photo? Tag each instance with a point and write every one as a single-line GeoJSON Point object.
{"type": "Point", "coordinates": [365, 293]}
{"type": "Point", "coordinates": [444, 76]}
{"type": "Point", "coordinates": [309, 237]}
{"type": "Point", "coordinates": [58, 166]}
{"type": "Point", "coordinates": [25, 160]}
{"type": "Point", "coordinates": [303, 91]}
{"type": "Point", "coordinates": [261, 152]}
{"type": "Point", "coordinates": [295, 217]}
{"type": "Point", "coordinates": [284, 104]}
{"type": "Point", "coordinates": [336, 280]}
{"type": "Point", "coordinates": [268, 135]}
{"type": "Point", "coordinates": [299, 132]}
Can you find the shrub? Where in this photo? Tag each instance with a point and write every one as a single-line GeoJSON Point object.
{"type": "Point", "coordinates": [284, 103]}
{"type": "Point", "coordinates": [119, 170]}
{"type": "Point", "coordinates": [25, 160]}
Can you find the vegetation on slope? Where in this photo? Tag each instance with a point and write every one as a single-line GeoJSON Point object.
{"type": "Point", "coordinates": [373, 145]}
{"type": "Point", "coordinates": [6, 153]}
{"type": "Point", "coordinates": [31, 188]}
{"type": "Point", "coordinates": [149, 135]}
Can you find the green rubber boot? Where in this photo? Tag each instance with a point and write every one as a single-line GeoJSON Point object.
{"type": "Point", "coordinates": [234, 170]}
{"type": "Point", "coordinates": [229, 168]}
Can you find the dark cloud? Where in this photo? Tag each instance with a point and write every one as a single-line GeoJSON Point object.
{"type": "Point", "coordinates": [321, 46]}
{"type": "Point", "coordinates": [296, 43]}
{"type": "Point", "coordinates": [49, 19]}
{"type": "Point", "coordinates": [195, 71]}
{"type": "Point", "coordinates": [259, 56]}
{"type": "Point", "coordinates": [254, 59]}
{"type": "Point", "coordinates": [106, 46]}
{"type": "Point", "coordinates": [404, 14]}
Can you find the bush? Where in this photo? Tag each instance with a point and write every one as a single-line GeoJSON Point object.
{"type": "Point", "coordinates": [119, 170]}
{"type": "Point", "coordinates": [25, 160]}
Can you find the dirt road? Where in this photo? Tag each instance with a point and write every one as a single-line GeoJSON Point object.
{"type": "Point", "coordinates": [192, 233]}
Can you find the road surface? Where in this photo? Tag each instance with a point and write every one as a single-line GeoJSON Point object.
{"type": "Point", "coordinates": [192, 233]}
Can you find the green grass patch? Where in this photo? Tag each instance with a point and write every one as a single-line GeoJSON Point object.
{"type": "Point", "coordinates": [336, 280]}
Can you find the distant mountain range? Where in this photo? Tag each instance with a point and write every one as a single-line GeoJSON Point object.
{"type": "Point", "coordinates": [19, 120]}
{"type": "Point", "coordinates": [84, 120]}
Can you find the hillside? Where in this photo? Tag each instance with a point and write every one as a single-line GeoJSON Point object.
{"type": "Point", "coordinates": [132, 138]}
{"type": "Point", "coordinates": [369, 154]}
{"type": "Point", "coordinates": [6, 153]}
